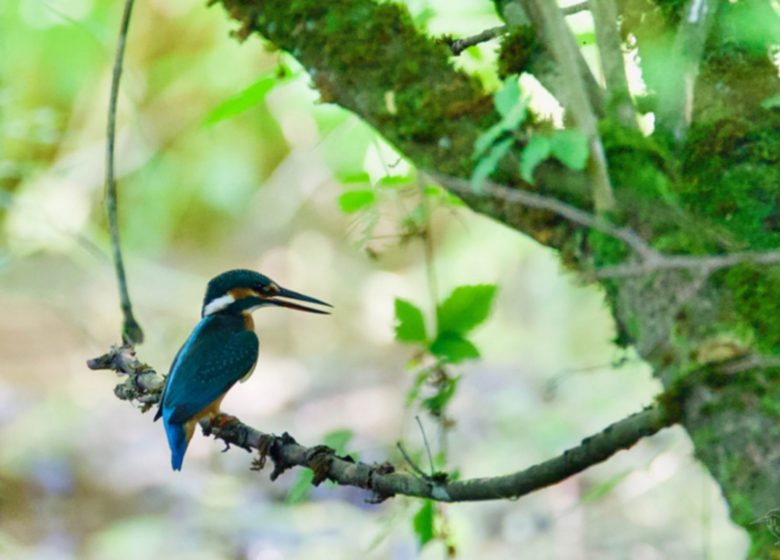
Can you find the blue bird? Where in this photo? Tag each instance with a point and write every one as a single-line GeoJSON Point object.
{"type": "Point", "coordinates": [221, 350]}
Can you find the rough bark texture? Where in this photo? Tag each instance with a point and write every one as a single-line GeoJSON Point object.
{"type": "Point", "coordinates": [714, 191]}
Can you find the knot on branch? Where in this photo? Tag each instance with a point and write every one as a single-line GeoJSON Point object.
{"type": "Point", "coordinates": [143, 383]}
{"type": "Point", "coordinates": [319, 459]}
{"type": "Point", "coordinates": [269, 445]}
{"type": "Point", "coordinates": [377, 496]}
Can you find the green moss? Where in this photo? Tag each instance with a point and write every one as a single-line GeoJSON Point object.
{"type": "Point", "coordinates": [637, 163]}
{"type": "Point", "coordinates": [731, 171]}
{"type": "Point", "coordinates": [754, 292]}
{"type": "Point", "coordinates": [518, 50]}
{"type": "Point", "coordinates": [369, 58]}
{"type": "Point", "coordinates": [644, 181]}
{"type": "Point", "coordinates": [770, 404]}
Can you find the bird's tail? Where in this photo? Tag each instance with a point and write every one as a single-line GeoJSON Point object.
{"type": "Point", "coordinates": [177, 441]}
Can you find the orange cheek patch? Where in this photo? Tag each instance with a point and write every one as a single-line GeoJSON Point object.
{"type": "Point", "coordinates": [240, 293]}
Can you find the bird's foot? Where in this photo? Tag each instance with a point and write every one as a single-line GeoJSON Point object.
{"type": "Point", "coordinates": [223, 421]}
{"type": "Point", "coordinates": [229, 429]}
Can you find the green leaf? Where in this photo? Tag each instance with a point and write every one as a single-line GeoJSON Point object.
{"type": "Point", "coordinates": [422, 522]}
{"type": "Point", "coordinates": [586, 38]}
{"type": "Point", "coordinates": [487, 138]}
{"type": "Point", "coordinates": [338, 440]}
{"type": "Point", "coordinates": [535, 152]}
{"type": "Point", "coordinates": [410, 324]}
{"type": "Point", "coordinates": [438, 402]}
{"type": "Point", "coordinates": [465, 308]}
{"type": "Point", "coordinates": [361, 177]}
{"type": "Point", "coordinates": [506, 98]}
{"type": "Point", "coordinates": [486, 165]}
{"type": "Point", "coordinates": [512, 108]}
{"type": "Point", "coordinates": [245, 99]}
{"type": "Point", "coordinates": [300, 489]}
{"type": "Point", "coordinates": [453, 348]}
{"type": "Point", "coordinates": [394, 181]}
{"type": "Point", "coordinates": [570, 147]}
{"type": "Point", "coordinates": [353, 201]}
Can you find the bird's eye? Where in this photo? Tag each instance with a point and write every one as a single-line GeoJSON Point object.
{"type": "Point", "coordinates": [268, 289]}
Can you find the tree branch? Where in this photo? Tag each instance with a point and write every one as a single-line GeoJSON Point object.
{"type": "Point", "coordinates": [457, 46]}
{"type": "Point", "coordinates": [530, 199]}
{"type": "Point", "coordinates": [650, 259]}
{"type": "Point", "coordinates": [558, 39]}
{"type": "Point", "coordinates": [605, 19]}
{"type": "Point", "coordinates": [131, 330]}
{"type": "Point", "coordinates": [144, 385]}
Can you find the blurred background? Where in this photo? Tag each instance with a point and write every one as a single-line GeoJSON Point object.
{"type": "Point", "coordinates": [226, 159]}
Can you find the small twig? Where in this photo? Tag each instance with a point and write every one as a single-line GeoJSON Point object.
{"type": "Point", "coordinates": [749, 362]}
{"type": "Point", "coordinates": [457, 46]}
{"type": "Point", "coordinates": [706, 263]}
{"type": "Point", "coordinates": [571, 213]}
{"type": "Point", "coordinates": [131, 330]}
{"type": "Point", "coordinates": [427, 445]}
{"type": "Point", "coordinates": [411, 463]}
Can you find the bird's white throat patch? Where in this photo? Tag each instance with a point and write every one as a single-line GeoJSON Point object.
{"type": "Point", "coordinates": [218, 304]}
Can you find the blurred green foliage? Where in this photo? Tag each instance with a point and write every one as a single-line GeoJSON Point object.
{"type": "Point", "coordinates": [228, 158]}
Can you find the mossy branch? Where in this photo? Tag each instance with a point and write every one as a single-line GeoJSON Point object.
{"type": "Point", "coordinates": [383, 481]}
{"type": "Point", "coordinates": [648, 259]}
{"type": "Point", "coordinates": [437, 111]}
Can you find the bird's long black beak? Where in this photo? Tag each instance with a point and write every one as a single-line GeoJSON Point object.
{"type": "Point", "coordinates": [289, 294]}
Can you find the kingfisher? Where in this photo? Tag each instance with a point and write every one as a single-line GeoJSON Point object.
{"type": "Point", "coordinates": [221, 350]}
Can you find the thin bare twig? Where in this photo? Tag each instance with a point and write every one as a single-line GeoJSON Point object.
{"type": "Point", "coordinates": [427, 445]}
{"type": "Point", "coordinates": [707, 263]}
{"type": "Point", "coordinates": [131, 330]}
{"type": "Point", "coordinates": [748, 363]}
{"type": "Point", "coordinates": [571, 213]}
{"type": "Point", "coordinates": [457, 46]}
{"type": "Point", "coordinates": [409, 461]}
